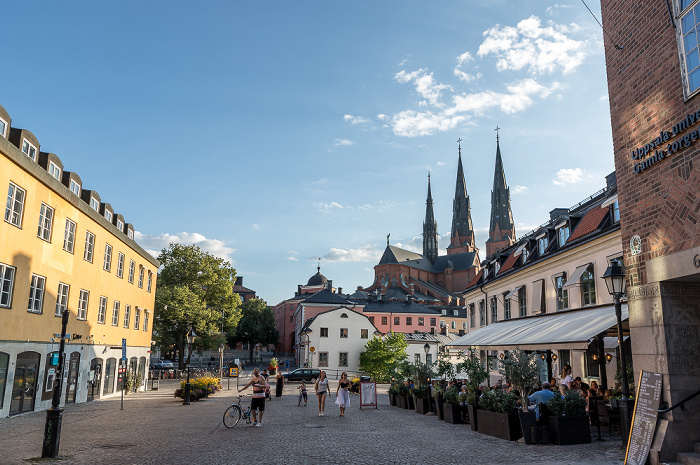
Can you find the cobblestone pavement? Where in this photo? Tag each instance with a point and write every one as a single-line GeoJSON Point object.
{"type": "Point", "coordinates": [154, 428]}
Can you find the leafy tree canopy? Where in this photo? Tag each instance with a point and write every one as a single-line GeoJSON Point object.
{"type": "Point", "coordinates": [257, 325]}
{"type": "Point", "coordinates": [383, 356]}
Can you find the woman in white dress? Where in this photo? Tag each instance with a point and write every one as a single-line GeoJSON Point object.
{"type": "Point", "coordinates": [342, 397]}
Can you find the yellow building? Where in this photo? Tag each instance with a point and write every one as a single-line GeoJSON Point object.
{"type": "Point", "coordinates": [61, 247]}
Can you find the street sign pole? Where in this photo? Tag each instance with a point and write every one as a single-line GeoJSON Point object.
{"type": "Point", "coordinates": [123, 369]}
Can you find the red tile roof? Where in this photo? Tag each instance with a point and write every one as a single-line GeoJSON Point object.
{"type": "Point", "coordinates": [476, 279]}
{"type": "Point", "coordinates": [589, 223]}
{"type": "Point", "coordinates": [508, 264]}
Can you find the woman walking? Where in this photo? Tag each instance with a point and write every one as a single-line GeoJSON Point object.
{"type": "Point", "coordinates": [279, 384]}
{"type": "Point", "coordinates": [342, 397]}
{"type": "Point", "coordinates": [321, 387]}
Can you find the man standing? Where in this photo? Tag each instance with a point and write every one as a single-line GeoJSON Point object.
{"type": "Point", "coordinates": [258, 403]}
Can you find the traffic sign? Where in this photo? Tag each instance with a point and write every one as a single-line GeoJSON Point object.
{"type": "Point", "coordinates": [124, 349]}
{"type": "Point", "coordinates": [312, 349]}
{"type": "Point", "coordinates": [233, 372]}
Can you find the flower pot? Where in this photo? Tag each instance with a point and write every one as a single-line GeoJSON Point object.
{"type": "Point", "coordinates": [392, 400]}
{"type": "Point", "coordinates": [422, 405]}
{"type": "Point", "coordinates": [500, 425]}
{"type": "Point", "coordinates": [569, 430]}
{"type": "Point", "coordinates": [527, 421]}
{"type": "Point", "coordinates": [400, 401]}
{"type": "Point", "coordinates": [439, 406]}
{"type": "Point", "coordinates": [453, 413]}
{"type": "Point", "coordinates": [472, 410]}
{"type": "Point", "coordinates": [409, 402]}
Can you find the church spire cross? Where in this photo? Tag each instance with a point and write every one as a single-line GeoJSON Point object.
{"type": "Point", "coordinates": [497, 129]}
{"type": "Point", "coordinates": [459, 145]}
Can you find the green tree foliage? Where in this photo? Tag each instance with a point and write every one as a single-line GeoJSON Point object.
{"type": "Point", "coordinates": [194, 288]}
{"type": "Point", "coordinates": [521, 370]}
{"type": "Point", "coordinates": [474, 368]}
{"type": "Point", "coordinates": [383, 356]}
{"type": "Point", "coordinates": [257, 325]}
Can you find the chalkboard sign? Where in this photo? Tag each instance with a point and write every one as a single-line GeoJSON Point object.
{"type": "Point", "coordinates": [644, 418]}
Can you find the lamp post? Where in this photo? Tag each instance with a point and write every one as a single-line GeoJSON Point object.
{"type": "Point", "coordinates": [426, 349]}
{"type": "Point", "coordinates": [615, 281]}
{"type": "Point", "coordinates": [190, 340]}
{"type": "Point", "coordinates": [54, 415]}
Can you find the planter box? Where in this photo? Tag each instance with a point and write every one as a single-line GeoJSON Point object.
{"type": "Point", "coordinates": [473, 416]}
{"type": "Point", "coordinates": [439, 404]}
{"type": "Point", "coordinates": [392, 400]}
{"type": "Point", "coordinates": [409, 402]}
{"type": "Point", "coordinates": [422, 405]}
{"type": "Point", "coordinates": [527, 421]}
{"type": "Point", "coordinates": [453, 413]}
{"type": "Point", "coordinates": [565, 431]}
{"type": "Point", "coordinates": [400, 401]}
{"type": "Point", "coordinates": [500, 425]}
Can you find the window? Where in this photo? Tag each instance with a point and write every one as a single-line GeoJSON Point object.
{"type": "Point", "coordinates": [102, 310]}
{"type": "Point", "coordinates": [324, 332]}
{"type": "Point", "coordinates": [506, 308]}
{"type": "Point", "coordinates": [130, 234]}
{"type": "Point", "coordinates": [108, 215]}
{"type": "Point", "coordinates": [323, 359]}
{"type": "Point", "coordinates": [421, 321]}
{"type": "Point", "coordinates": [453, 324]}
{"type": "Point", "coordinates": [343, 359]}
{"type": "Point", "coordinates": [3, 126]}
{"type": "Point", "coordinates": [542, 244]}
{"type": "Point", "coordinates": [464, 325]}
{"type": "Point", "coordinates": [120, 225]}
{"type": "Point", "coordinates": [132, 269]}
{"type": "Point", "coordinates": [150, 282]}
{"type": "Point", "coordinates": [588, 287]}
{"type": "Point", "coordinates": [69, 236]}
{"type": "Point", "coordinates": [397, 320]}
{"type": "Point", "coordinates": [433, 322]}
{"type": "Point", "coordinates": [141, 277]}
{"type": "Point", "coordinates": [127, 315]}
{"type": "Point", "coordinates": [29, 149]}
{"type": "Point", "coordinates": [15, 205]}
{"type": "Point", "coordinates": [45, 222]}
{"type": "Point", "coordinates": [83, 304]}
{"type": "Point", "coordinates": [409, 321]}
{"type": "Point", "coordinates": [428, 359]}
{"type": "Point", "coordinates": [94, 204]}
{"type": "Point", "coordinates": [616, 212]}
{"type": "Point", "coordinates": [455, 312]}
{"type": "Point", "coordinates": [482, 313]}
{"type": "Point", "coordinates": [137, 318]}
{"type": "Point", "coordinates": [522, 302]}
{"type": "Point", "coordinates": [562, 294]}
{"type": "Point", "coordinates": [687, 37]}
{"type": "Point", "coordinates": [75, 187]}
{"type": "Point", "coordinates": [416, 359]}
{"type": "Point", "coordinates": [115, 313]}
{"type": "Point", "coordinates": [343, 332]}
{"type": "Point", "coordinates": [62, 298]}
{"type": "Point", "coordinates": [494, 310]}
{"type": "Point", "coordinates": [54, 170]}
{"type": "Point", "coordinates": [120, 265]}
{"type": "Point", "coordinates": [89, 246]}
{"type": "Point", "coordinates": [472, 316]}
{"type": "Point", "coordinates": [36, 294]}
{"type": "Point", "coordinates": [145, 320]}
{"type": "Point", "coordinates": [107, 266]}
{"type": "Point", "coordinates": [563, 234]}
{"type": "Point", "coordinates": [385, 320]}
{"type": "Point", "coordinates": [7, 279]}
{"type": "Point", "coordinates": [364, 334]}
{"type": "Point", "coordinates": [444, 311]}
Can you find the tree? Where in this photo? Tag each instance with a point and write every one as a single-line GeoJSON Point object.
{"type": "Point", "coordinates": [194, 289]}
{"type": "Point", "coordinates": [521, 371]}
{"type": "Point", "coordinates": [257, 325]}
{"type": "Point", "coordinates": [382, 357]}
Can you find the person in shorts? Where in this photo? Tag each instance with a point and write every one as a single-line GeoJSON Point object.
{"type": "Point", "coordinates": [258, 403]}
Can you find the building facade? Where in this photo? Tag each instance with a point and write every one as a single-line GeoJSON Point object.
{"type": "Point", "coordinates": [63, 247]}
{"type": "Point", "coordinates": [653, 85]}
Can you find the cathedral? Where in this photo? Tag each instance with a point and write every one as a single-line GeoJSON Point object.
{"type": "Point", "coordinates": [434, 279]}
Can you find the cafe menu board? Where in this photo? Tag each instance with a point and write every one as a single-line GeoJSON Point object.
{"type": "Point", "coordinates": [644, 418]}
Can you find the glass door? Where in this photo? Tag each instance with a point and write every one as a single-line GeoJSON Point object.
{"type": "Point", "coordinates": [24, 384]}
{"type": "Point", "coordinates": [94, 379]}
{"type": "Point", "coordinates": [72, 378]}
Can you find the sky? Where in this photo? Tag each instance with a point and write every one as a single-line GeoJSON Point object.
{"type": "Point", "coordinates": [274, 134]}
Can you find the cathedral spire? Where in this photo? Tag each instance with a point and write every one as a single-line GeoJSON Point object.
{"type": "Point", "coordinates": [502, 229]}
{"type": "Point", "coordinates": [462, 233]}
{"type": "Point", "coordinates": [430, 236]}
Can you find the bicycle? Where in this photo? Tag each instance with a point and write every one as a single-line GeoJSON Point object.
{"type": "Point", "coordinates": [233, 414]}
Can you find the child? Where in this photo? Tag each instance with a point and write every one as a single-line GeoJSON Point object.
{"type": "Point", "coordinates": [302, 392]}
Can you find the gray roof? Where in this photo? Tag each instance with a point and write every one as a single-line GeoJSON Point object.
{"type": "Point", "coordinates": [458, 261]}
{"type": "Point", "coordinates": [394, 306]}
{"type": "Point", "coordinates": [325, 296]}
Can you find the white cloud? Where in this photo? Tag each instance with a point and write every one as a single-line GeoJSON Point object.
{"type": "Point", "coordinates": [367, 253]}
{"type": "Point", "coordinates": [256, 227]}
{"type": "Point", "coordinates": [328, 207]}
{"type": "Point", "coordinates": [411, 123]}
{"type": "Point", "coordinates": [293, 259]}
{"type": "Point", "coordinates": [567, 176]}
{"type": "Point", "coordinates": [462, 75]}
{"type": "Point", "coordinates": [382, 117]}
{"type": "Point", "coordinates": [355, 120]}
{"type": "Point", "coordinates": [154, 244]}
{"type": "Point", "coordinates": [519, 189]}
{"type": "Point", "coordinates": [533, 47]}
{"type": "Point", "coordinates": [343, 142]}
{"type": "Point", "coordinates": [424, 84]}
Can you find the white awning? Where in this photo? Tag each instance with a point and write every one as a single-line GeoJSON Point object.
{"type": "Point", "coordinates": [576, 275]}
{"type": "Point", "coordinates": [565, 330]}
{"type": "Point", "coordinates": [512, 293]}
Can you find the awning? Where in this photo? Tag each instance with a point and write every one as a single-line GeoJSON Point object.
{"type": "Point", "coordinates": [576, 275]}
{"type": "Point", "coordinates": [512, 293]}
{"type": "Point", "coordinates": [564, 330]}
{"type": "Point", "coordinates": [611, 342]}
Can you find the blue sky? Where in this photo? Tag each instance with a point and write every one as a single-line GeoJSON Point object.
{"type": "Point", "coordinates": [276, 133]}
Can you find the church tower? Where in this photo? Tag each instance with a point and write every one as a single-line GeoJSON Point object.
{"type": "Point", "coordinates": [462, 239]}
{"type": "Point", "coordinates": [430, 236]}
{"type": "Point", "coordinates": [502, 229]}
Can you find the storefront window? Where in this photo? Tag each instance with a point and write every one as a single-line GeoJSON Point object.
{"type": "Point", "coordinates": [110, 368]}
{"type": "Point", "coordinates": [4, 359]}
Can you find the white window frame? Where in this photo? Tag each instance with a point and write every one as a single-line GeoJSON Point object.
{"type": "Point", "coordinates": [127, 315]}
{"type": "Point", "coordinates": [108, 215]}
{"type": "Point", "coordinates": [115, 313]}
{"type": "Point", "coordinates": [145, 320]}
{"type": "Point", "coordinates": [344, 333]}
{"type": "Point", "coordinates": [682, 54]}
{"type": "Point", "coordinates": [28, 149]}
{"type": "Point", "coordinates": [45, 222]}
{"type": "Point", "coordinates": [62, 298]}
{"type": "Point", "coordinates": [94, 204]}
{"type": "Point", "coordinates": [36, 294]}
{"type": "Point", "coordinates": [89, 246]}
{"type": "Point", "coordinates": [120, 225]}
{"type": "Point", "coordinates": [130, 234]}
{"type": "Point", "coordinates": [132, 270]}
{"type": "Point", "coordinates": [3, 128]}
{"type": "Point", "coordinates": [15, 205]}
{"type": "Point", "coordinates": [102, 310]}
{"type": "Point", "coordinates": [107, 265]}
{"type": "Point", "coordinates": [340, 359]}
{"type": "Point", "coordinates": [563, 233]}
{"type": "Point", "coordinates": [69, 236]}
{"type": "Point", "coordinates": [75, 187]}
{"type": "Point", "coordinates": [137, 318]}
{"type": "Point", "coordinates": [54, 170]}
{"type": "Point", "coordinates": [323, 359]}
{"type": "Point", "coordinates": [83, 300]}
{"type": "Point", "coordinates": [120, 265]}
{"type": "Point", "coordinates": [141, 277]}
{"type": "Point", "coordinates": [149, 284]}
{"type": "Point", "coordinates": [7, 281]}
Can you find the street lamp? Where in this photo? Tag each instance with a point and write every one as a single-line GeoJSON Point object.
{"type": "Point", "coordinates": [54, 415]}
{"type": "Point", "coordinates": [426, 349]}
{"type": "Point", "coordinates": [190, 340]}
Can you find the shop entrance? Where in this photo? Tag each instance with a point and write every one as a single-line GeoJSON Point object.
{"type": "Point", "coordinates": [24, 384]}
{"type": "Point", "coordinates": [94, 378]}
{"type": "Point", "coordinates": [72, 379]}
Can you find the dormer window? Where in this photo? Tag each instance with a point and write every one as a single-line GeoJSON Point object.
{"type": "Point", "coordinates": [108, 215]}
{"type": "Point", "coordinates": [444, 312]}
{"type": "Point", "coordinates": [3, 127]}
{"type": "Point", "coordinates": [563, 234]}
{"type": "Point", "coordinates": [496, 267]}
{"type": "Point", "coordinates": [29, 149]}
{"type": "Point", "coordinates": [130, 234]}
{"type": "Point", "coordinates": [54, 170]}
{"type": "Point", "coordinates": [542, 244]}
{"type": "Point", "coordinates": [94, 204]}
{"type": "Point", "coordinates": [75, 187]}
{"type": "Point", "coordinates": [120, 225]}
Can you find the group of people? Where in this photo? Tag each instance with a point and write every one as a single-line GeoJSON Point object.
{"type": "Point", "coordinates": [260, 385]}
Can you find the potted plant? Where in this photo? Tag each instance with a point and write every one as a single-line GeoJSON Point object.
{"type": "Point", "coordinates": [439, 399]}
{"type": "Point", "coordinates": [498, 416]}
{"type": "Point", "coordinates": [451, 409]}
{"type": "Point", "coordinates": [567, 420]}
{"type": "Point", "coordinates": [421, 398]}
{"type": "Point", "coordinates": [274, 365]}
{"type": "Point", "coordinates": [392, 394]}
{"type": "Point", "coordinates": [522, 371]}
{"type": "Point", "coordinates": [402, 395]}
{"type": "Point", "coordinates": [476, 373]}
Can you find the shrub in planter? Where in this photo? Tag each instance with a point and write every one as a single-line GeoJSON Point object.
{"type": "Point", "coordinates": [498, 415]}
{"type": "Point", "coordinates": [439, 399]}
{"type": "Point", "coordinates": [567, 420]}
{"type": "Point", "coordinates": [421, 399]}
{"type": "Point", "coordinates": [451, 409]}
{"type": "Point", "coordinates": [392, 395]}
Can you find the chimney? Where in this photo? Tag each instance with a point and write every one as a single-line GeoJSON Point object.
{"type": "Point", "coordinates": [461, 332]}
{"type": "Point", "coordinates": [443, 330]}
{"type": "Point", "coordinates": [611, 180]}
{"type": "Point", "coordinates": [409, 298]}
{"type": "Point", "coordinates": [432, 330]}
{"type": "Point", "coordinates": [239, 280]}
{"type": "Point", "coordinates": [340, 290]}
{"type": "Point", "coordinates": [557, 213]}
